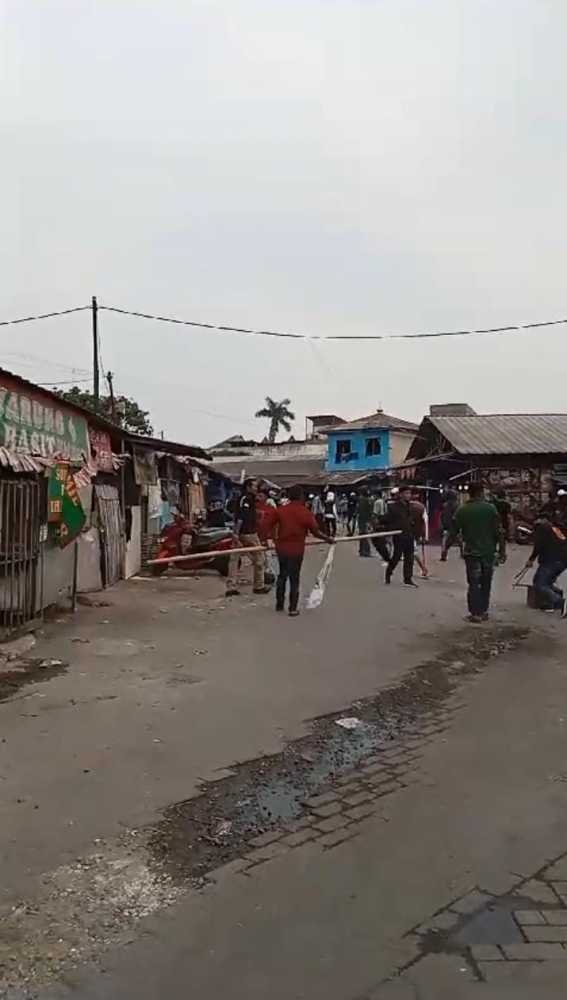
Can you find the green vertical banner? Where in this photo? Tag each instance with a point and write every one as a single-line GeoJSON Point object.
{"type": "Point", "coordinates": [66, 513]}
{"type": "Point", "coordinates": [73, 516]}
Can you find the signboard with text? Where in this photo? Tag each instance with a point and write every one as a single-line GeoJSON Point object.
{"type": "Point", "coordinates": [33, 426]}
{"type": "Point", "coordinates": [101, 449]}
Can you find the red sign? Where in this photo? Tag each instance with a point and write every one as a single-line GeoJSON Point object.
{"type": "Point", "coordinates": [101, 449]}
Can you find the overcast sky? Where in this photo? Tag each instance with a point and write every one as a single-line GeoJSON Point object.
{"type": "Point", "coordinates": [324, 166]}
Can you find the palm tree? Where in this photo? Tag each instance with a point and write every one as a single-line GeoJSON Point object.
{"type": "Point", "coordinates": [278, 415]}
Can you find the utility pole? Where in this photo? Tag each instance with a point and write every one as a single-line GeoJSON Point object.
{"type": "Point", "coordinates": [96, 373]}
{"type": "Point", "coordinates": [109, 378]}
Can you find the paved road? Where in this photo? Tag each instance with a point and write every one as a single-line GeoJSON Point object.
{"type": "Point", "coordinates": [444, 863]}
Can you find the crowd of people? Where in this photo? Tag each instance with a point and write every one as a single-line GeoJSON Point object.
{"type": "Point", "coordinates": [397, 526]}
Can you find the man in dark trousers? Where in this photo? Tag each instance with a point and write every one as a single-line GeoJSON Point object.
{"type": "Point", "coordinates": [289, 526]}
{"type": "Point", "coordinates": [481, 529]}
{"type": "Point", "coordinates": [550, 550]}
{"type": "Point", "coordinates": [246, 535]}
{"type": "Point", "coordinates": [399, 517]}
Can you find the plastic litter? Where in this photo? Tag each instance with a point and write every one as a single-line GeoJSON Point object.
{"type": "Point", "coordinates": [349, 722]}
{"type": "Point", "coordinates": [316, 596]}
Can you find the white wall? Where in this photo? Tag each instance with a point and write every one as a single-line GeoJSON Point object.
{"type": "Point", "coordinates": [277, 452]}
{"type": "Point", "coordinates": [399, 446]}
{"type": "Point", "coordinates": [88, 574]}
{"type": "Point", "coordinates": [133, 562]}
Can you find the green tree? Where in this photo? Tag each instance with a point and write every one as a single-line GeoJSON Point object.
{"type": "Point", "coordinates": [278, 415]}
{"type": "Point", "coordinates": [128, 413]}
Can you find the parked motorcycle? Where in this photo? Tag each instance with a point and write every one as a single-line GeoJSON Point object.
{"type": "Point", "coordinates": [179, 538]}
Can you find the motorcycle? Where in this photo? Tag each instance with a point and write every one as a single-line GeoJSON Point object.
{"type": "Point", "coordinates": [180, 538]}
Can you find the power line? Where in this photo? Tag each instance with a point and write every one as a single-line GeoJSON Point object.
{"type": "Point", "coordinates": [349, 337]}
{"type": "Point", "coordinates": [30, 319]}
{"type": "Point", "coordinates": [223, 328]}
{"type": "Point", "coordinates": [73, 381]}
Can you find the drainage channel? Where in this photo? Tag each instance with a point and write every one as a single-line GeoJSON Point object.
{"type": "Point", "coordinates": [320, 788]}
{"type": "Point", "coordinates": [273, 793]}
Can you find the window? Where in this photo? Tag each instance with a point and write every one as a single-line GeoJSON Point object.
{"type": "Point", "coordinates": [342, 451]}
{"type": "Point", "coordinates": [373, 447]}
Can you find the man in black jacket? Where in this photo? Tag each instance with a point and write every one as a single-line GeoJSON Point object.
{"type": "Point", "coordinates": [399, 517]}
{"type": "Point", "coordinates": [550, 550]}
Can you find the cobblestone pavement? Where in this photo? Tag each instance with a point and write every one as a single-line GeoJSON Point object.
{"type": "Point", "coordinates": [526, 924]}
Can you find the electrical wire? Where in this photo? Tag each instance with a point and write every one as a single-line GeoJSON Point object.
{"type": "Point", "coordinates": [30, 319]}
{"type": "Point", "coordinates": [222, 328]}
{"type": "Point", "coordinates": [348, 337]}
{"type": "Point", "coordinates": [74, 381]}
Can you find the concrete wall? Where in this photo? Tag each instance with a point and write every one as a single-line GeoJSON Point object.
{"type": "Point", "coordinates": [134, 546]}
{"type": "Point", "coordinates": [275, 452]}
{"type": "Point", "coordinates": [88, 573]}
{"type": "Point", "coordinates": [58, 574]}
{"type": "Point", "coordinates": [359, 461]}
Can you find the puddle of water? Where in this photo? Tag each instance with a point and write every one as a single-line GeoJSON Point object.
{"type": "Point", "coordinates": [494, 925]}
{"type": "Point", "coordinates": [26, 671]}
{"type": "Point", "coordinates": [262, 793]}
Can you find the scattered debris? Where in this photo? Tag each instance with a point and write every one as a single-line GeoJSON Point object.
{"type": "Point", "coordinates": [25, 671]}
{"type": "Point", "coordinates": [223, 829]}
{"type": "Point", "coordinates": [87, 602]}
{"type": "Point", "coordinates": [200, 652]}
{"type": "Point", "coordinates": [350, 722]}
{"type": "Point", "coordinates": [77, 638]}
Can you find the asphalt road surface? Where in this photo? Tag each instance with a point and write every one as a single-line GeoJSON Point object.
{"type": "Point", "coordinates": [183, 816]}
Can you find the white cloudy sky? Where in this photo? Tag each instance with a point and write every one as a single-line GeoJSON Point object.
{"type": "Point", "coordinates": [326, 166]}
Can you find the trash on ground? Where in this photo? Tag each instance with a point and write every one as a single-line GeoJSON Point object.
{"type": "Point", "coordinates": [200, 652]}
{"type": "Point", "coordinates": [223, 829]}
{"type": "Point", "coordinates": [43, 664]}
{"type": "Point", "coordinates": [77, 638]}
{"type": "Point", "coordinates": [349, 722]}
{"type": "Point", "coordinates": [316, 596]}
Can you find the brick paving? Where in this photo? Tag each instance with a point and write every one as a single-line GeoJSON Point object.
{"type": "Point", "coordinates": [536, 933]}
{"type": "Point", "coordinates": [333, 816]}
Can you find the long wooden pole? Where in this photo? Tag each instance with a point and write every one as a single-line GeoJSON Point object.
{"type": "Point", "coordinates": [261, 548]}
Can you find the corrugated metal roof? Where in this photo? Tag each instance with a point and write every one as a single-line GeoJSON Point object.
{"type": "Point", "coordinates": [375, 420]}
{"type": "Point", "coordinates": [23, 463]}
{"type": "Point", "coordinates": [505, 433]}
{"type": "Point", "coordinates": [309, 472]}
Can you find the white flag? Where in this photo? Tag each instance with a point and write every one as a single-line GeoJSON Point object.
{"type": "Point", "coordinates": [316, 596]}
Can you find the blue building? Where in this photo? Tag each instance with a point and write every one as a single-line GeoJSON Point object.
{"type": "Point", "coordinates": [372, 443]}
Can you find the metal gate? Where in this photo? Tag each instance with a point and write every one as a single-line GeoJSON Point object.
{"type": "Point", "coordinates": [19, 551]}
{"type": "Point", "coordinates": [111, 533]}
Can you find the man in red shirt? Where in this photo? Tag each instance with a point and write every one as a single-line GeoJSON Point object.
{"type": "Point", "coordinates": [289, 526]}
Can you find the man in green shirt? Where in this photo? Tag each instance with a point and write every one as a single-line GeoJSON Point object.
{"type": "Point", "coordinates": [478, 523]}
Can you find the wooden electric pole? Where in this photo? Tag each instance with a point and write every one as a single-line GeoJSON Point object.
{"type": "Point", "coordinates": [96, 371]}
{"type": "Point", "coordinates": [109, 378]}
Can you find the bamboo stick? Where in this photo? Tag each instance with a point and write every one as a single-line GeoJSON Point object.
{"type": "Point", "coordinates": [261, 548]}
{"type": "Point", "coordinates": [207, 555]}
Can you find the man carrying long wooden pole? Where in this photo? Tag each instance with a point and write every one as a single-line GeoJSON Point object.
{"type": "Point", "coordinates": [290, 525]}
